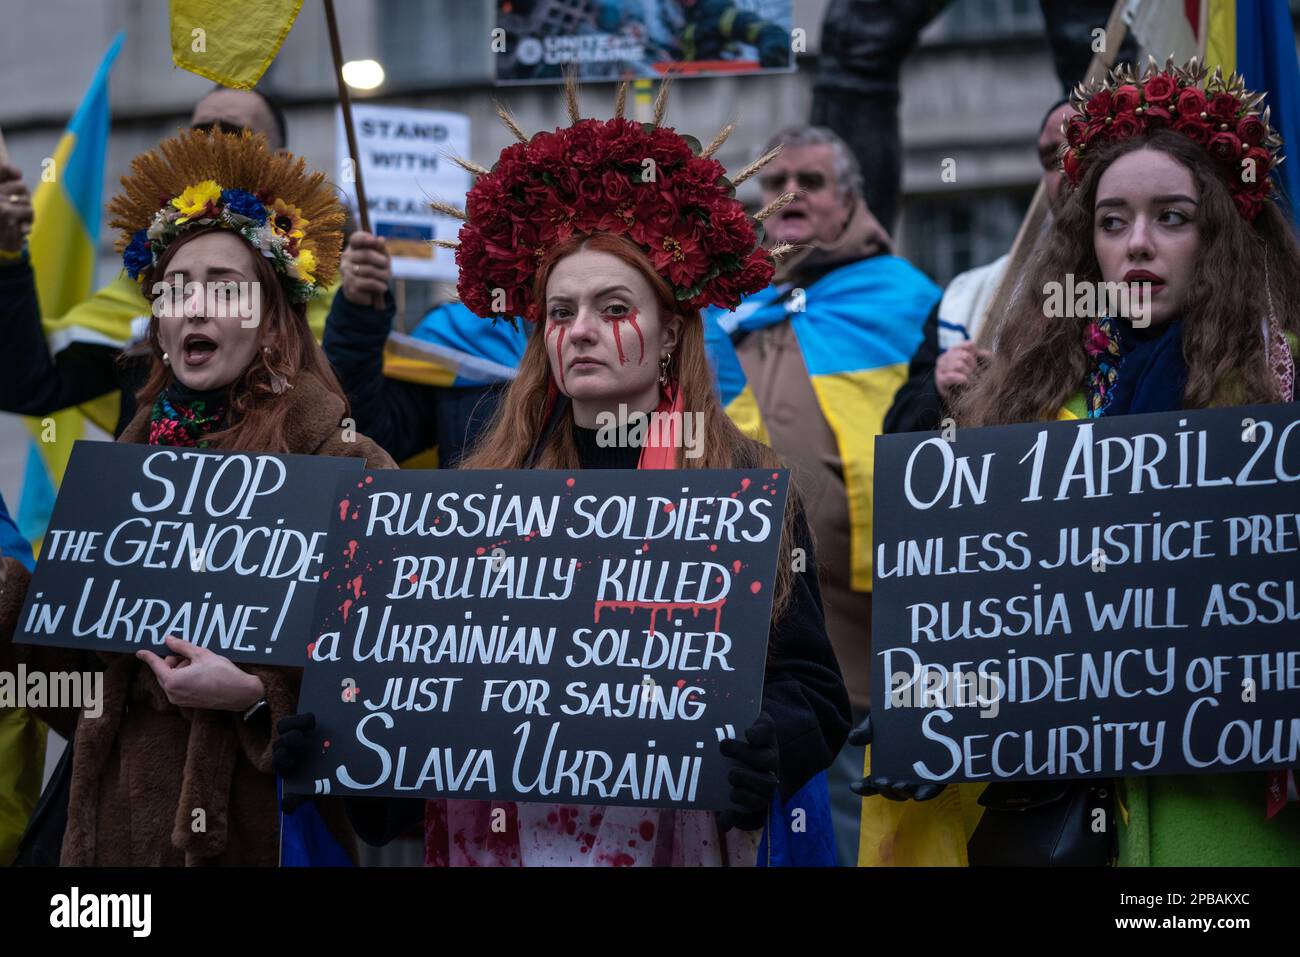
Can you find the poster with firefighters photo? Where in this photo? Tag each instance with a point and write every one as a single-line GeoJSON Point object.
{"type": "Point", "coordinates": [536, 40]}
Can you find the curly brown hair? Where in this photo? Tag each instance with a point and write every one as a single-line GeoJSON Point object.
{"type": "Point", "coordinates": [1242, 268]}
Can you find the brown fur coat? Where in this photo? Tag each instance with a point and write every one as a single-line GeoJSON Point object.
{"type": "Point", "coordinates": [144, 768]}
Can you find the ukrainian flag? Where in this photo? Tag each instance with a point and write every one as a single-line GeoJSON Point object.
{"type": "Point", "coordinates": [62, 246]}
{"type": "Point", "coordinates": [453, 348]}
{"type": "Point", "coordinates": [1255, 38]}
{"type": "Point", "coordinates": [857, 328]}
{"type": "Point", "coordinates": [1251, 37]}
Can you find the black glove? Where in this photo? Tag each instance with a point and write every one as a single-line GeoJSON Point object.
{"type": "Point", "coordinates": [755, 780]}
{"type": "Point", "coordinates": [895, 789]}
{"type": "Point", "coordinates": [293, 738]}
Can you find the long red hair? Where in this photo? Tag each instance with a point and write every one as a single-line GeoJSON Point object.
{"type": "Point", "coordinates": [287, 351]}
{"type": "Point", "coordinates": [521, 415]}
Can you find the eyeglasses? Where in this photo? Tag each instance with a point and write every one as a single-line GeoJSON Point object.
{"type": "Point", "coordinates": [808, 181]}
{"type": "Point", "coordinates": [221, 125]}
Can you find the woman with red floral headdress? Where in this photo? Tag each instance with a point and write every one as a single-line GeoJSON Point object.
{"type": "Point", "coordinates": [609, 237]}
{"type": "Point", "coordinates": [1171, 188]}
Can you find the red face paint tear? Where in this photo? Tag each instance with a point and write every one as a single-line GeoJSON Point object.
{"type": "Point", "coordinates": [559, 352]}
{"type": "Point", "coordinates": [632, 317]}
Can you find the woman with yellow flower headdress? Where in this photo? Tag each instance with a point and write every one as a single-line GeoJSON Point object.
{"type": "Point", "coordinates": [206, 220]}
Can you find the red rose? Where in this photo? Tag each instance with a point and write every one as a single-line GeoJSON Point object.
{"type": "Point", "coordinates": [1223, 107]}
{"type": "Point", "coordinates": [730, 228]}
{"type": "Point", "coordinates": [1126, 125]}
{"type": "Point", "coordinates": [1076, 132]}
{"type": "Point", "coordinates": [1225, 147]}
{"type": "Point", "coordinates": [1070, 164]}
{"type": "Point", "coordinates": [728, 289]}
{"type": "Point", "coordinates": [1251, 130]}
{"type": "Point", "coordinates": [1198, 131]}
{"type": "Point", "coordinates": [585, 154]}
{"type": "Point", "coordinates": [1157, 116]}
{"type": "Point", "coordinates": [697, 180]}
{"type": "Point", "coordinates": [1191, 103]}
{"type": "Point", "coordinates": [1126, 99]}
{"type": "Point", "coordinates": [1099, 104]}
{"type": "Point", "coordinates": [653, 215]}
{"type": "Point", "coordinates": [1158, 89]}
{"type": "Point", "coordinates": [1258, 161]}
{"type": "Point", "coordinates": [619, 141]}
{"type": "Point", "coordinates": [617, 187]}
{"type": "Point", "coordinates": [1248, 203]}
{"type": "Point", "coordinates": [486, 198]}
{"type": "Point", "coordinates": [667, 148]}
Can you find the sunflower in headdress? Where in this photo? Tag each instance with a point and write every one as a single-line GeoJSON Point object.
{"type": "Point", "coordinates": [235, 182]}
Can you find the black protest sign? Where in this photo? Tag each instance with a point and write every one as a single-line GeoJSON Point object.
{"type": "Point", "coordinates": [1114, 597]}
{"type": "Point", "coordinates": [223, 550]}
{"type": "Point", "coordinates": [586, 637]}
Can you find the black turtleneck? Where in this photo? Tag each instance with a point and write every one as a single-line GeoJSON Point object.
{"type": "Point", "coordinates": [181, 394]}
{"type": "Point", "coordinates": [592, 455]}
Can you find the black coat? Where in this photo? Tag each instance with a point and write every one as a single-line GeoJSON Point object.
{"type": "Point", "coordinates": [803, 690]}
{"type": "Point", "coordinates": [917, 406]}
{"type": "Point", "coordinates": [32, 382]}
{"type": "Point", "coordinates": [404, 417]}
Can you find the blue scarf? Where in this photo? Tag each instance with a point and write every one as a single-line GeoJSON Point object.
{"type": "Point", "coordinates": [1149, 373]}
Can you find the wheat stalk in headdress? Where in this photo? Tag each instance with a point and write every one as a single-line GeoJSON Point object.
{"type": "Point", "coordinates": [234, 161]}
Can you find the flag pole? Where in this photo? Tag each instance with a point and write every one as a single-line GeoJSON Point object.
{"type": "Point", "coordinates": [336, 50]}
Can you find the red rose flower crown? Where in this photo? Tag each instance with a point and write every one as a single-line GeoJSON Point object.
{"type": "Point", "coordinates": [1219, 115]}
{"type": "Point", "coordinates": [640, 180]}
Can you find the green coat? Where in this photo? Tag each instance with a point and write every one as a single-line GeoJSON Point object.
{"type": "Point", "coordinates": [1200, 820]}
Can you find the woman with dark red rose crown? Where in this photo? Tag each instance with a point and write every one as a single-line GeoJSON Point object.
{"type": "Point", "coordinates": [613, 279]}
{"type": "Point", "coordinates": [1171, 187]}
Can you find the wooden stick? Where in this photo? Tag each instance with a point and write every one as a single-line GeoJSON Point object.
{"type": "Point", "coordinates": [401, 303]}
{"type": "Point", "coordinates": [1031, 228]}
{"type": "Point", "coordinates": [336, 50]}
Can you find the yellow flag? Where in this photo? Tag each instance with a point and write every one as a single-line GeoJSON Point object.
{"type": "Point", "coordinates": [230, 43]}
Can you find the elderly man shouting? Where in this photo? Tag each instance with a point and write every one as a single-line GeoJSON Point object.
{"type": "Point", "coordinates": [809, 365]}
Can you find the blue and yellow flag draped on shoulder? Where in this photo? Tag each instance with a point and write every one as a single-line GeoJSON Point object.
{"type": "Point", "coordinates": [62, 247]}
{"type": "Point", "coordinates": [857, 328]}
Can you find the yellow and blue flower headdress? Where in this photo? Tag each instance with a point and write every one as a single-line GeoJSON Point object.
{"type": "Point", "coordinates": [232, 181]}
